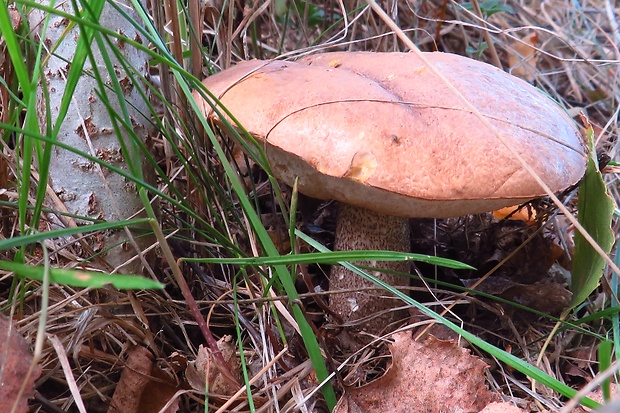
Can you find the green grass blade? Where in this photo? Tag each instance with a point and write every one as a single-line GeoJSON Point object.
{"type": "Point", "coordinates": [15, 53]}
{"type": "Point", "coordinates": [604, 361]}
{"type": "Point", "coordinates": [615, 305]}
{"type": "Point", "coordinates": [334, 257]}
{"type": "Point", "coordinates": [24, 240]}
{"type": "Point", "coordinates": [44, 152]}
{"type": "Point", "coordinates": [77, 278]}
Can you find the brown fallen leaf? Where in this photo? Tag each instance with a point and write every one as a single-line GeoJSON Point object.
{"type": "Point", "coordinates": [526, 214]}
{"type": "Point", "coordinates": [522, 57]}
{"type": "Point", "coordinates": [159, 391]}
{"type": "Point", "coordinates": [142, 387]}
{"type": "Point", "coordinates": [133, 380]}
{"type": "Point", "coordinates": [16, 379]}
{"type": "Point", "coordinates": [549, 298]}
{"type": "Point", "coordinates": [579, 360]}
{"type": "Point", "coordinates": [203, 372]}
{"type": "Point", "coordinates": [433, 376]}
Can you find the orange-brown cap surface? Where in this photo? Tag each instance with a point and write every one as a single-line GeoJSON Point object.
{"type": "Point", "coordinates": [380, 131]}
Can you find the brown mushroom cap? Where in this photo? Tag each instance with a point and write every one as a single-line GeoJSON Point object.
{"type": "Point", "coordinates": [380, 131]}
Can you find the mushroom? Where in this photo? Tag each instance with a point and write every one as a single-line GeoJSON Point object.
{"type": "Point", "coordinates": [380, 134]}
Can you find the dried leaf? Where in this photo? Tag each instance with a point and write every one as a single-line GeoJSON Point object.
{"type": "Point", "coordinates": [143, 387]}
{"type": "Point", "coordinates": [16, 379]}
{"type": "Point", "coordinates": [549, 298]}
{"type": "Point", "coordinates": [522, 57]}
{"type": "Point", "coordinates": [526, 214]}
{"type": "Point", "coordinates": [158, 392]}
{"type": "Point", "coordinates": [433, 376]}
{"type": "Point", "coordinates": [16, 18]}
{"type": "Point", "coordinates": [134, 378]}
{"type": "Point", "coordinates": [203, 373]}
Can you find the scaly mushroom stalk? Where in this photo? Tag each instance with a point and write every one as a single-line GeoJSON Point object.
{"type": "Point", "coordinates": [363, 229]}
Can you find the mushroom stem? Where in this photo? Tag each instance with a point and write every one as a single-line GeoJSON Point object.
{"type": "Point", "coordinates": [362, 229]}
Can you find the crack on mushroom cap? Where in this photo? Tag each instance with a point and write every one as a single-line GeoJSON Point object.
{"type": "Point", "coordinates": [424, 165]}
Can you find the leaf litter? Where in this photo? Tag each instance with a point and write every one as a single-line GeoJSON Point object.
{"type": "Point", "coordinates": [17, 380]}
{"type": "Point", "coordinates": [429, 376]}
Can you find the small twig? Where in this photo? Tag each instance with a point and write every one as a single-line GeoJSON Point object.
{"type": "Point", "coordinates": [215, 292]}
{"type": "Point", "coordinates": [253, 380]}
{"type": "Point", "coordinates": [66, 368]}
{"type": "Point", "coordinates": [221, 364]}
{"type": "Point", "coordinates": [487, 36]}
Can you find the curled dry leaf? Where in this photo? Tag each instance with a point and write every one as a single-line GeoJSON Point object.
{"type": "Point", "coordinates": [133, 380]}
{"type": "Point", "coordinates": [16, 18]}
{"type": "Point", "coordinates": [203, 373]}
{"type": "Point", "coordinates": [16, 379]}
{"type": "Point", "coordinates": [522, 57]}
{"type": "Point", "coordinates": [143, 387]}
{"type": "Point", "coordinates": [433, 376]}
{"type": "Point", "coordinates": [526, 214]}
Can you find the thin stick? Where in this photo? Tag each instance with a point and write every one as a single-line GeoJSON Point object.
{"type": "Point", "coordinates": [253, 380]}
{"type": "Point", "coordinates": [66, 368]}
{"type": "Point", "coordinates": [487, 36]}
